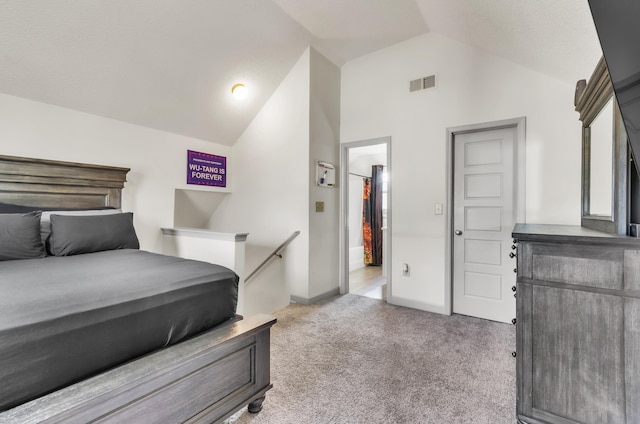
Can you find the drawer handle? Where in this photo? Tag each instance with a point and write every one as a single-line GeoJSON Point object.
{"type": "Point", "coordinates": [513, 353]}
{"type": "Point", "coordinates": [513, 288]}
{"type": "Point", "coordinates": [513, 321]}
{"type": "Point", "coordinates": [512, 255]}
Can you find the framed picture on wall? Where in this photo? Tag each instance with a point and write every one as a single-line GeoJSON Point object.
{"type": "Point", "coordinates": [206, 169]}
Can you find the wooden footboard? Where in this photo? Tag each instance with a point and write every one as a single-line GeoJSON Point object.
{"type": "Point", "coordinates": [202, 380]}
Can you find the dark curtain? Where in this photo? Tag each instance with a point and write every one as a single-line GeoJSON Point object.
{"type": "Point", "coordinates": [372, 216]}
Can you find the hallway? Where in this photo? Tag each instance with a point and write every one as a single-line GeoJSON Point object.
{"type": "Point", "coordinates": [369, 282]}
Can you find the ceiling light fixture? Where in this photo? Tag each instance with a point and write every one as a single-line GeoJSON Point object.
{"type": "Point", "coordinates": [239, 91]}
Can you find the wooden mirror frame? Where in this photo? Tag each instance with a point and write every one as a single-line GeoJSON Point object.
{"type": "Point", "coordinates": [589, 100]}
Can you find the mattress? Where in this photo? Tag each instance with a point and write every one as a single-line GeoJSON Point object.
{"type": "Point", "coordinates": [63, 319]}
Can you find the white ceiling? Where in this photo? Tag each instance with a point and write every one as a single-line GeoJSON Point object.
{"type": "Point", "coordinates": [554, 37]}
{"type": "Point", "coordinates": [345, 29]}
{"type": "Point", "coordinates": [169, 64]}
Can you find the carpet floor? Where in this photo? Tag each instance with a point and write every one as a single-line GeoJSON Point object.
{"type": "Point", "coordinates": [352, 359]}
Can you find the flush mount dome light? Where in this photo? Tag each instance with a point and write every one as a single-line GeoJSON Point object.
{"type": "Point", "coordinates": [239, 91]}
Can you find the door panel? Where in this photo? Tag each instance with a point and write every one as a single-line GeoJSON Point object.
{"type": "Point", "coordinates": [487, 252]}
{"type": "Point", "coordinates": [487, 186]}
{"type": "Point", "coordinates": [485, 152]}
{"type": "Point", "coordinates": [483, 216]}
{"type": "Point", "coordinates": [486, 286]}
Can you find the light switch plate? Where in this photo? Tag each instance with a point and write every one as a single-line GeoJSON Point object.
{"type": "Point", "coordinates": [438, 208]}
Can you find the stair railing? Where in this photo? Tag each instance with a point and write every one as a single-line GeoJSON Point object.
{"type": "Point", "coordinates": [277, 252]}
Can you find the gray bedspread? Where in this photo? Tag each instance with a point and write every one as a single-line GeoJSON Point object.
{"type": "Point", "coordinates": [63, 319]}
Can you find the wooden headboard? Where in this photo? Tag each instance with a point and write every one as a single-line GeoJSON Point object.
{"type": "Point", "coordinates": [50, 183]}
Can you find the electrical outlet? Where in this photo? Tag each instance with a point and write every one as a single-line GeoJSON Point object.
{"type": "Point", "coordinates": [319, 206]}
{"type": "Point", "coordinates": [405, 270]}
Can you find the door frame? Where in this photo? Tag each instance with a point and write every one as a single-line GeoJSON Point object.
{"type": "Point", "coordinates": [344, 212]}
{"type": "Point", "coordinates": [519, 172]}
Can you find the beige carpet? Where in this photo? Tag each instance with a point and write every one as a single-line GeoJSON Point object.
{"type": "Point", "coordinates": [353, 359]}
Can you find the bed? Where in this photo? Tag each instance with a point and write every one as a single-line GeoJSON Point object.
{"type": "Point", "coordinates": [92, 329]}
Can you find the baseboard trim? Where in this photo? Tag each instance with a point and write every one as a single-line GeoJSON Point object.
{"type": "Point", "coordinates": [356, 255]}
{"type": "Point", "coordinates": [315, 299]}
{"type": "Point", "coordinates": [356, 265]}
{"type": "Point", "coordinates": [415, 304]}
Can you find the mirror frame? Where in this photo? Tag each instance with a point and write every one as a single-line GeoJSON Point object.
{"type": "Point", "coordinates": [589, 100]}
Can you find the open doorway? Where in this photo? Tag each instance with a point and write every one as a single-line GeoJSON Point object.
{"type": "Point", "coordinates": [365, 218]}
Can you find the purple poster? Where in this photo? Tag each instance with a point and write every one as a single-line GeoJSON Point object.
{"type": "Point", "coordinates": [206, 169]}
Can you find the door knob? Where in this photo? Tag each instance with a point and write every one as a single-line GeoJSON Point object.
{"type": "Point", "coordinates": [458, 232]}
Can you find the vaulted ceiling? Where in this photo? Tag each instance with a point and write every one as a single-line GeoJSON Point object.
{"type": "Point", "coordinates": [170, 64]}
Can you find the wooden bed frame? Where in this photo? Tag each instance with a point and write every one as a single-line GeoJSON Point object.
{"type": "Point", "coordinates": [201, 380]}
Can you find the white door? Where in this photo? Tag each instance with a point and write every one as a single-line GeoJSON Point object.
{"type": "Point", "coordinates": [483, 218]}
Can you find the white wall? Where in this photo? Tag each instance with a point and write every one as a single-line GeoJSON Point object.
{"type": "Point", "coordinates": [324, 129]}
{"type": "Point", "coordinates": [157, 159]}
{"type": "Point", "coordinates": [275, 190]}
{"type": "Point", "coordinates": [193, 208]}
{"type": "Point", "coordinates": [355, 211]}
{"type": "Point", "coordinates": [271, 185]}
{"type": "Point", "coordinates": [473, 87]}
{"type": "Point", "coordinates": [362, 164]}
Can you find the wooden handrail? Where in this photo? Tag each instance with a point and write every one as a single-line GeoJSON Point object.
{"type": "Point", "coordinates": [276, 252]}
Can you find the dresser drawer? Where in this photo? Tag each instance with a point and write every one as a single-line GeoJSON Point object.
{"type": "Point", "coordinates": [590, 266]}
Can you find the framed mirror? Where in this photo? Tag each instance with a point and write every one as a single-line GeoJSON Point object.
{"type": "Point", "coordinates": [604, 154]}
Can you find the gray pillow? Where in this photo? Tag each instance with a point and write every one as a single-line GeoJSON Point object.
{"type": "Point", "coordinates": [20, 236]}
{"type": "Point", "coordinates": [45, 219]}
{"type": "Point", "coordinates": [72, 235]}
{"type": "Point", "coordinates": [11, 208]}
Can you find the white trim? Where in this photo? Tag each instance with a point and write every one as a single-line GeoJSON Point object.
{"type": "Point", "coordinates": [356, 258]}
{"type": "Point", "coordinates": [415, 304]}
{"type": "Point", "coordinates": [200, 233]}
{"type": "Point", "coordinates": [315, 299]}
{"type": "Point", "coordinates": [519, 171]}
{"type": "Point", "coordinates": [344, 212]}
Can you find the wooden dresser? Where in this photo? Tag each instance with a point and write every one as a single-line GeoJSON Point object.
{"type": "Point", "coordinates": [578, 326]}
